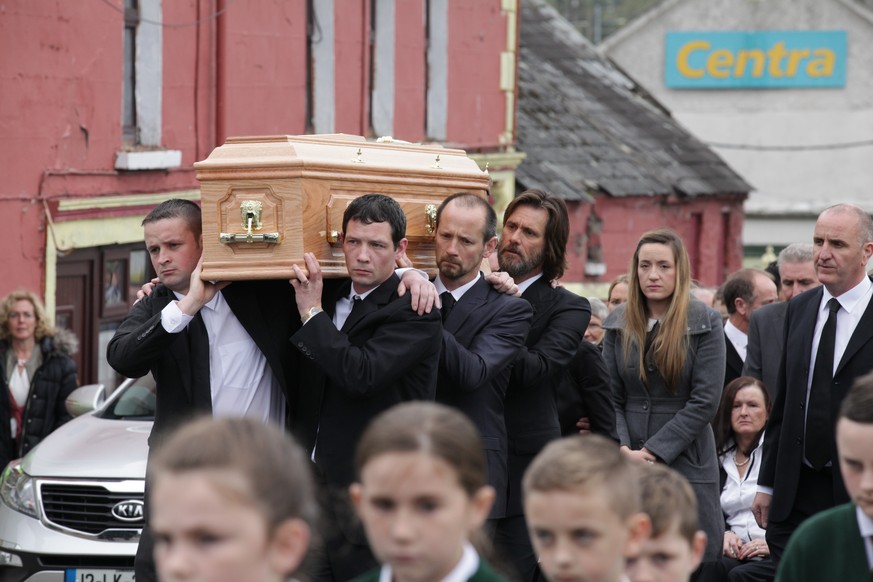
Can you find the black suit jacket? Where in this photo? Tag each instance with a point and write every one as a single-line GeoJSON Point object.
{"type": "Point", "coordinates": [764, 352]}
{"type": "Point", "coordinates": [585, 391]}
{"type": "Point", "coordinates": [481, 338]}
{"type": "Point", "coordinates": [267, 311]}
{"type": "Point", "coordinates": [531, 413]}
{"type": "Point", "coordinates": [733, 365]}
{"type": "Point", "coordinates": [385, 355]}
{"type": "Point", "coordinates": [783, 442]}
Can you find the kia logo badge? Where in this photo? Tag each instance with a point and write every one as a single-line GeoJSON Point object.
{"type": "Point", "coordinates": [130, 510]}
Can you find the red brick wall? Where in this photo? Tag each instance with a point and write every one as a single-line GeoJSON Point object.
{"type": "Point", "coordinates": [624, 220]}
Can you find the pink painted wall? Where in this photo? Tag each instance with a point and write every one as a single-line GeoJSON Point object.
{"type": "Point", "coordinates": [188, 115]}
{"type": "Point", "coordinates": [351, 66]}
{"type": "Point", "coordinates": [477, 107]}
{"type": "Point", "coordinates": [410, 63]}
{"type": "Point", "coordinates": [243, 73]}
{"type": "Point", "coordinates": [263, 69]}
{"type": "Point", "coordinates": [60, 71]}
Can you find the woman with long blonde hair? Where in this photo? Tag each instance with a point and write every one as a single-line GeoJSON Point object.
{"type": "Point", "coordinates": [37, 373]}
{"type": "Point", "coordinates": [665, 353]}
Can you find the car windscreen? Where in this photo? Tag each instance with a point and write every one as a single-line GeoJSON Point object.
{"type": "Point", "coordinates": [137, 401]}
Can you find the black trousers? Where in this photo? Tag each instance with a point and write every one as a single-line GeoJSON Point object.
{"type": "Point", "coordinates": [341, 551]}
{"type": "Point", "coordinates": [512, 540]}
{"type": "Point", "coordinates": [730, 570]}
{"type": "Point", "coordinates": [815, 493]}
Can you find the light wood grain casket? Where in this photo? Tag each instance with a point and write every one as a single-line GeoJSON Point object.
{"type": "Point", "coordinates": [267, 200]}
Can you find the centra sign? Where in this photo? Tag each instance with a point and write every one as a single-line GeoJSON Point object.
{"type": "Point", "coordinates": [762, 59]}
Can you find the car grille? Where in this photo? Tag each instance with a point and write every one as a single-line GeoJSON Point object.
{"type": "Point", "coordinates": [62, 561]}
{"type": "Point", "coordinates": [85, 508]}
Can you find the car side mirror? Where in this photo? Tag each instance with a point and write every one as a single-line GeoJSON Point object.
{"type": "Point", "coordinates": [85, 399]}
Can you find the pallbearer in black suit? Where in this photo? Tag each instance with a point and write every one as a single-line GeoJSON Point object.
{"type": "Point", "coordinates": [829, 343]}
{"type": "Point", "coordinates": [483, 329]}
{"type": "Point", "coordinates": [212, 348]}
{"type": "Point", "coordinates": [532, 250]}
{"type": "Point", "coordinates": [366, 351]}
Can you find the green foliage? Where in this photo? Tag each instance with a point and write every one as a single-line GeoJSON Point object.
{"type": "Point", "coordinates": [597, 19]}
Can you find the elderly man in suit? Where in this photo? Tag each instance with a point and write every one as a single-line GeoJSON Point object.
{"type": "Point", "coordinates": [364, 349]}
{"type": "Point", "coordinates": [745, 291]}
{"type": "Point", "coordinates": [764, 350]}
{"type": "Point", "coordinates": [483, 329]}
{"type": "Point", "coordinates": [532, 250]}
{"type": "Point", "coordinates": [829, 330]}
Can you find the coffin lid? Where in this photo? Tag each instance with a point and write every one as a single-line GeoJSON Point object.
{"type": "Point", "coordinates": [337, 153]}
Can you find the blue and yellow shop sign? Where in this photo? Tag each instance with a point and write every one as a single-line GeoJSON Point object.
{"type": "Point", "coordinates": [764, 59]}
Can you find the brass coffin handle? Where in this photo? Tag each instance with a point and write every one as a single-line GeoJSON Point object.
{"type": "Point", "coordinates": [267, 237]}
{"type": "Point", "coordinates": [250, 216]}
{"type": "Point", "coordinates": [430, 212]}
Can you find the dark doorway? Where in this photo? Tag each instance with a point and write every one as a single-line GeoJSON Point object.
{"type": "Point", "coordinates": [95, 289]}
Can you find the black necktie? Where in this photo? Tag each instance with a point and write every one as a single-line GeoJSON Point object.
{"type": "Point", "coordinates": [819, 425]}
{"type": "Point", "coordinates": [198, 352]}
{"type": "Point", "coordinates": [357, 302]}
{"type": "Point", "coordinates": [448, 301]}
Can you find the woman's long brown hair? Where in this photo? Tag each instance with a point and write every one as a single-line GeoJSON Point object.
{"type": "Point", "coordinates": [670, 345]}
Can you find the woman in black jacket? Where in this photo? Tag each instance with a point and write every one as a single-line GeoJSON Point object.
{"type": "Point", "coordinates": [37, 374]}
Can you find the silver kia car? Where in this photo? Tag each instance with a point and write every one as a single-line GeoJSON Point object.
{"type": "Point", "coordinates": [71, 510]}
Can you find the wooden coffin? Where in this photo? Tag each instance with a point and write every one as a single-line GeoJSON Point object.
{"type": "Point", "coordinates": [292, 191]}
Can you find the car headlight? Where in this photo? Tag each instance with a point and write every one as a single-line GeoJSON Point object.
{"type": "Point", "coordinates": [17, 491]}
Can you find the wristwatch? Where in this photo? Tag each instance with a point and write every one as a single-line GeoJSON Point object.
{"type": "Point", "coordinates": [313, 311]}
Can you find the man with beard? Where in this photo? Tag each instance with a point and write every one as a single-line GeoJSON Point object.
{"type": "Point", "coordinates": [483, 329]}
{"type": "Point", "coordinates": [532, 251]}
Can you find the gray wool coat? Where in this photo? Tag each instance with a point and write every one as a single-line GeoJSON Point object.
{"type": "Point", "coordinates": [675, 427]}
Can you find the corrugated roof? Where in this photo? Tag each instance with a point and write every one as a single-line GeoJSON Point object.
{"type": "Point", "coordinates": [586, 126]}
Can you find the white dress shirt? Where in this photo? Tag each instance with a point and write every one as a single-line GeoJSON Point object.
{"type": "Point", "coordinates": [865, 524]}
{"type": "Point", "coordinates": [738, 338]}
{"type": "Point", "coordinates": [739, 493]}
{"type": "Point", "coordinates": [522, 287]}
{"type": "Point", "coordinates": [457, 293]}
{"type": "Point", "coordinates": [466, 567]}
{"type": "Point", "coordinates": [240, 379]}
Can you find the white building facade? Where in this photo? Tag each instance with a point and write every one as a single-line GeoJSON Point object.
{"type": "Point", "coordinates": [783, 90]}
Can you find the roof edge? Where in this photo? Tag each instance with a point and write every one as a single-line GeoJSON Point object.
{"type": "Point", "coordinates": [630, 29]}
{"type": "Point", "coordinates": [858, 9]}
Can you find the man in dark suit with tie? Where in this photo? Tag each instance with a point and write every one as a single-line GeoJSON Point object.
{"type": "Point", "coordinates": [166, 333]}
{"type": "Point", "coordinates": [764, 350]}
{"type": "Point", "coordinates": [483, 329]}
{"type": "Point", "coordinates": [828, 333]}
{"type": "Point", "coordinates": [213, 348]}
{"type": "Point", "coordinates": [363, 351]}
{"type": "Point", "coordinates": [532, 250]}
{"type": "Point", "coordinates": [745, 291]}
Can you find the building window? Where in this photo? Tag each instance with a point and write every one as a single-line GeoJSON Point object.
{"type": "Point", "coordinates": [142, 88]}
{"type": "Point", "coordinates": [128, 93]}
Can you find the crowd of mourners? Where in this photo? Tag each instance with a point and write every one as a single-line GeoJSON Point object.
{"type": "Point", "coordinates": [488, 424]}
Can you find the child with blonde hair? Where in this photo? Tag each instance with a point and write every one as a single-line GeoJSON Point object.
{"type": "Point", "coordinates": [675, 547]}
{"type": "Point", "coordinates": [582, 506]}
{"type": "Point", "coordinates": [230, 500]}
